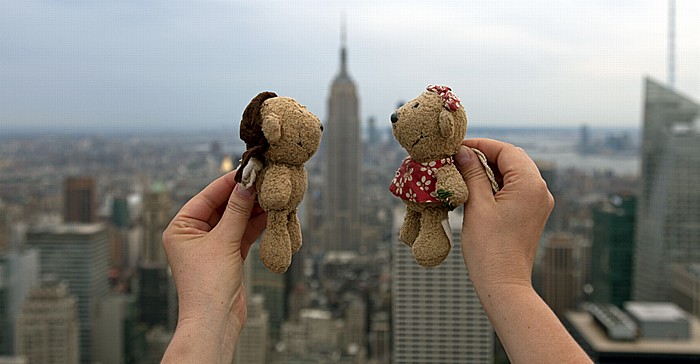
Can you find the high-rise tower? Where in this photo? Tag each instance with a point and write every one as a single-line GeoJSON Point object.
{"type": "Point", "coordinates": [612, 250]}
{"type": "Point", "coordinates": [79, 255]}
{"type": "Point", "coordinates": [668, 211]}
{"type": "Point", "coordinates": [437, 317]}
{"type": "Point", "coordinates": [47, 326]}
{"type": "Point", "coordinates": [80, 200]}
{"type": "Point", "coordinates": [341, 143]}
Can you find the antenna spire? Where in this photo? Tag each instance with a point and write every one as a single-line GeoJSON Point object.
{"type": "Point", "coordinates": [671, 43]}
{"type": "Point", "coordinates": [343, 43]}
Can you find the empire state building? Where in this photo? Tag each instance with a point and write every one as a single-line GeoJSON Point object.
{"type": "Point", "coordinates": [341, 218]}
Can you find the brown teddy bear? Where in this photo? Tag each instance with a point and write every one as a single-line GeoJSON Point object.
{"type": "Point", "coordinates": [280, 136]}
{"type": "Point", "coordinates": [431, 128]}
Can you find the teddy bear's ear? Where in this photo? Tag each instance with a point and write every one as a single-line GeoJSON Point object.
{"type": "Point", "coordinates": [271, 127]}
{"type": "Point", "coordinates": [446, 123]}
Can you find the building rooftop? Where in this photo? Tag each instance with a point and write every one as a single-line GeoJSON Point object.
{"type": "Point", "coordinates": [694, 269]}
{"type": "Point", "coordinates": [69, 228]}
{"type": "Point", "coordinates": [656, 311]}
{"type": "Point", "coordinates": [596, 337]}
{"type": "Point", "coordinates": [316, 314]}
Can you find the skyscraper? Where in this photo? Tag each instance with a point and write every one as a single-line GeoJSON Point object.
{"type": "Point", "coordinates": [612, 250]}
{"type": "Point", "coordinates": [156, 217]}
{"type": "Point", "coordinates": [79, 255]}
{"type": "Point", "coordinates": [80, 200]}
{"type": "Point", "coordinates": [252, 347]}
{"type": "Point", "coordinates": [668, 214]}
{"type": "Point", "coordinates": [156, 287]}
{"type": "Point", "coordinates": [47, 326]}
{"type": "Point", "coordinates": [271, 286]}
{"type": "Point", "coordinates": [19, 272]}
{"type": "Point", "coordinates": [437, 317]}
{"type": "Point", "coordinates": [341, 153]}
{"type": "Point", "coordinates": [119, 338]}
{"type": "Point", "coordinates": [563, 270]}
{"type": "Point", "coordinates": [4, 225]}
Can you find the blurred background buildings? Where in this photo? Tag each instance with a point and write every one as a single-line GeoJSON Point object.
{"type": "Point", "coordinates": [84, 278]}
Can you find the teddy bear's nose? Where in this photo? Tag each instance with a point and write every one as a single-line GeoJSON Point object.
{"type": "Point", "coordinates": [394, 117]}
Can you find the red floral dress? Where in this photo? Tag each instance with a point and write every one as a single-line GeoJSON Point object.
{"type": "Point", "coordinates": [416, 181]}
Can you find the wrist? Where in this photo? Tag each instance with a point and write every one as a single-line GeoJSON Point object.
{"type": "Point", "coordinates": [211, 338]}
{"type": "Point", "coordinates": [496, 273]}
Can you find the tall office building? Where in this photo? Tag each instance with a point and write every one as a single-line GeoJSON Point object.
{"type": "Point", "coordinates": [157, 296]}
{"type": "Point", "coordinates": [4, 226]}
{"type": "Point", "coordinates": [612, 250]}
{"type": "Point", "coordinates": [156, 217]}
{"type": "Point", "coordinates": [668, 213]}
{"type": "Point", "coordinates": [119, 338]}
{"type": "Point", "coordinates": [356, 323]}
{"type": "Point", "coordinates": [271, 286]}
{"type": "Point", "coordinates": [19, 272]}
{"type": "Point", "coordinates": [79, 255]}
{"type": "Point", "coordinates": [436, 315]}
{"type": "Point", "coordinates": [156, 288]}
{"type": "Point", "coordinates": [80, 200]}
{"type": "Point", "coordinates": [253, 344]}
{"type": "Point", "coordinates": [341, 154]}
{"type": "Point", "coordinates": [563, 271]}
{"type": "Point", "coordinates": [380, 338]}
{"type": "Point", "coordinates": [47, 326]}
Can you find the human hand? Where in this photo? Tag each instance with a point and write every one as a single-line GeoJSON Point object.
{"type": "Point", "coordinates": [500, 232]}
{"type": "Point", "coordinates": [206, 244]}
{"type": "Point", "coordinates": [499, 237]}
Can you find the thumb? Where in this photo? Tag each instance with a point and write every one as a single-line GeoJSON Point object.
{"type": "Point", "coordinates": [235, 218]}
{"type": "Point", "coordinates": [473, 173]}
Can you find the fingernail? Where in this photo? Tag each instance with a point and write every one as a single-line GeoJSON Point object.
{"type": "Point", "coordinates": [244, 192]}
{"type": "Point", "coordinates": [463, 156]}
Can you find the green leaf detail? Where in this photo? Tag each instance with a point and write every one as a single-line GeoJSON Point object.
{"type": "Point", "coordinates": [443, 195]}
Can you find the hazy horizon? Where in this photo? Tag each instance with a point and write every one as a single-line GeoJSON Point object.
{"type": "Point", "coordinates": [100, 66]}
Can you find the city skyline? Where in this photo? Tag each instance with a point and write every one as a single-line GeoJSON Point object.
{"type": "Point", "coordinates": [668, 212]}
{"type": "Point", "coordinates": [146, 66]}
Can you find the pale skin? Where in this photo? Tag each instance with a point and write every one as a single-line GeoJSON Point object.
{"type": "Point", "coordinates": [206, 244]}
{"type": "Point", "coordinates": [499, 238]}
{"type": "Point", "coordinates": [209, 239]}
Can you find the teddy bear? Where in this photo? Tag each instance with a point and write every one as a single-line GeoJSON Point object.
{"type": "Point", "coordinates": [430, 128]}
{"type": "Point", "coordinates": [280, 136]}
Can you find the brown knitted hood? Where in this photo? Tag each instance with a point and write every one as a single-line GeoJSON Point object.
{"type": "Point", "coordinates": [251, 132]}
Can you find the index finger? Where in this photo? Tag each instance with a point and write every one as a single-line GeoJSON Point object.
{"type": "Point", "coordinates": [205, 203]}
{"type": "Point", "coordinates": [511, 160]}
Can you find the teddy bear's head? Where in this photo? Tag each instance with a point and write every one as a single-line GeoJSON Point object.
{"type": "Point", "coordinates": [278, 130]}
{"type": "Point", "coordinates": [293, 132]}
{"type": "Point", "coordinates": [431, 126]}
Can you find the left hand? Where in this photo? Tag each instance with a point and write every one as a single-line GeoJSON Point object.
{"type": "Point", "coordinates": [206, 244]}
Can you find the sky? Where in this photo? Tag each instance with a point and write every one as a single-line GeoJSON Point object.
{"type": "Point", "coordinates": [100, 65]}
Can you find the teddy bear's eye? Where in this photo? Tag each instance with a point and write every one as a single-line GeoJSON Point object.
{"type": "Point", "coordinates": [415, 106]}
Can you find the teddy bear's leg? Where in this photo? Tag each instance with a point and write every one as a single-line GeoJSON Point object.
{"type": "Point", "coordinates": [432, 244]}
{"type": "Point", "coordinates": [294, 231]}
{"type": "Point", "coordinates": [275, 244]}
{"type": "Point", "coordinates": [411, 226]}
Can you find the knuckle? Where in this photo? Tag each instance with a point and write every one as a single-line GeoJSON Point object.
{"type": "Point", "coordinates": [544, 194]}
{"type": "Point", "coordinates": [166, 238]}
{"type": "Point", "coordinates": [473, 172]}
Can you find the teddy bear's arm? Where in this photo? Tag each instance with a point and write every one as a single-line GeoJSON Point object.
{"type": "Point", "coordinates": [276, 189]}
{"type": "Point", "coordinates": [450, 185]}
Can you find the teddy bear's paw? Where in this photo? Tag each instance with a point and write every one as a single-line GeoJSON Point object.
{"type": "Point", "coordinates": [275, 250]}
{"type": "Point", "coordinates": [294, 232]}
{"type": "Point", "coordinates": [408, 234]}
{"type": "Point", "coordinates": [410, 227]}
{"type": "Point", "coordinates": [430, 251]}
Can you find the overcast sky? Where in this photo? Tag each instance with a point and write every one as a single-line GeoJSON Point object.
{"type": "Point", "coordinates": [196, 64]}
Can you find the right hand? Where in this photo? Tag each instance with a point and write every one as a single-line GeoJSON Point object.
{"type": "Point", "coordinates": [500, 232]}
